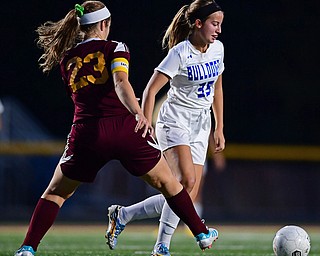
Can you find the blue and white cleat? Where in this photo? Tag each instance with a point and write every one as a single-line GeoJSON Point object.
{"type": "Point", "coordinates": [160, 250]}
{"type": "Point", "coordinates": [25, 251]}
{"type": "Point", "coordinates": [115, 227]}
{"type": "Point", "coordinates": [205, 240]}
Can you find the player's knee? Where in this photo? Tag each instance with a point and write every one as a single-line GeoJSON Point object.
{"type": "Point", "coordinates": [167, 187]}
{"type": "Point", "coordinates": [188, 183]}
{"type": "Point", "coordinates": [154, 182]}
{"type": "Point", "coordinates": [54, 195]}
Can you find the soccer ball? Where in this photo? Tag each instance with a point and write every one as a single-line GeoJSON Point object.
{"type": "Point", "coordinates": [291, 241]}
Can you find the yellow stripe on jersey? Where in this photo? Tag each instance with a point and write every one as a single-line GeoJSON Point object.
{"type": "Point", "coordinates": [119, 64]}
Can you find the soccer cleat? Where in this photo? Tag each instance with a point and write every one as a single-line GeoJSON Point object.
{"type": "Point", "coordinates": [115, 227]}
{"type": "Point", "coordinates": [205, 240]}
{"type": "Point", "coordinates": [160, 250]}
{"type": "Point", "coordinates": [25, 251]}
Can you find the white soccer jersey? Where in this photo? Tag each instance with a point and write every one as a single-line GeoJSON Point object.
{"type": "Point", "coordinates": [193, 74]}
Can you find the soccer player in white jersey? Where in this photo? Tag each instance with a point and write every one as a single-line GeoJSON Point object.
{"type": "Point", "coordinates": [193, 66]}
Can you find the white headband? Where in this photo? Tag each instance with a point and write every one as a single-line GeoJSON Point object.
{"type": "Point", "coordinates": [93, 17]}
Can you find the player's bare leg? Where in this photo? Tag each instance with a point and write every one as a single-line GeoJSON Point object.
{"type": "Point", "coordinates": [169, 220]}
{"type": "Point", "coordinates": [189, 175]}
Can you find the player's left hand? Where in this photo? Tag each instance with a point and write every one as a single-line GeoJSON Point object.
{"type": "Point", "coordinates": [142, 123]}
{"type": "Point", "coordinates": [219, 141]}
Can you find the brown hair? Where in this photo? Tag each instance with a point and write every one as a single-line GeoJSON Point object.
{"type": "Point", "coordinates": [181, 26]}
{"type": "Point", "coordinates": [55, 38]}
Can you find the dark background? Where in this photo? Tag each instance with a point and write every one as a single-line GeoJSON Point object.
{"type": "Point", "coordinates": [271, 81]}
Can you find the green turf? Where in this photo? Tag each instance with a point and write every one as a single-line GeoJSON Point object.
{"type": "Point", "coordinates": [138, 240]}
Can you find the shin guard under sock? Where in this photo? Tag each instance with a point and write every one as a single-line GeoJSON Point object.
{"type": "Point", "coordinates": [182, 205]}
{"type": "Point", "coordinates": [42, 219]}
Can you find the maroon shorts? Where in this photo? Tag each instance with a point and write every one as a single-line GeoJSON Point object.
{"type": "Point", "coordinates": [95, 142]}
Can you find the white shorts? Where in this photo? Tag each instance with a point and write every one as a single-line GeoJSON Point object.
{"type": "Point", "coordinates": [178, 125]}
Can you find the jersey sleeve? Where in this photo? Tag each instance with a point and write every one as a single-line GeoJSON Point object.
{"type": "Point", "coordinates": [221, 67]}
{"type": "Point", "coordinates": [121, 57]}
{"type": "Point", "coordinates": [170, 64]}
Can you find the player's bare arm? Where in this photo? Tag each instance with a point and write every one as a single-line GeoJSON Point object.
{"type": "Point", "coordinates": [127, 96]}
{"type": "Point", "coordinates": [156, 82]}
{"type": "Point", "coordinates": [218, 115]}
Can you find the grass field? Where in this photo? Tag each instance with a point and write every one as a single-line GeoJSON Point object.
{"type": "Point", "coordinates": [67, 240]}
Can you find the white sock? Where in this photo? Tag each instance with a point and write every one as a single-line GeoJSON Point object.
{"type": "Point", "coordinates": [168, 224]}
{"type": "Point", "coordinates": [146, 209]}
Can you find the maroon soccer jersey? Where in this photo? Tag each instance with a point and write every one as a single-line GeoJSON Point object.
{"type": "Point", "coordinates": [87, 71]}
{"type": "Point", "coordinates": [103, 128]}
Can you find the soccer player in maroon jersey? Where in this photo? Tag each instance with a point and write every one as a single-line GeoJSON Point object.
{"type": "Point", "coordinates": [108, 122]}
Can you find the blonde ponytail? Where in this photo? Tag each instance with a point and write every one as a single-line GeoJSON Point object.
{"type": "Point", "coordinates": [55, 38]}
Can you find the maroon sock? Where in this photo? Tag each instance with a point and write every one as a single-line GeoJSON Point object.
{"type": "Point", "coordinates": [42, 219]}
{"type": "Point", "coordinates": [182, 205]}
